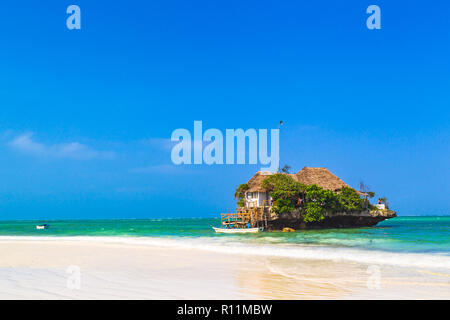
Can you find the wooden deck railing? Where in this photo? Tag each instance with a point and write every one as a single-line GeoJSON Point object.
{"type": "Point", "coordinates": [255, 217]}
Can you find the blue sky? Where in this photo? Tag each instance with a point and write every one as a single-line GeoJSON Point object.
{"type": "Point", "coordinates": [85, 115]}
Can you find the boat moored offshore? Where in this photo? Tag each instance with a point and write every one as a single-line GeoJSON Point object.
{"type": "Point", "coordinates": [237, 230]}
{"type": "Point", "coordinates": [244, 221]}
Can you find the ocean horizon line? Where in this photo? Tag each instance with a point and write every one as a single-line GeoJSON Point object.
{"type": "Point", "coordinates": [178, 218]}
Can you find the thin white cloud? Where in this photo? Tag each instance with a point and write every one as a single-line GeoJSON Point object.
{"type": "Point", "coordinates": [73, 150]}
{"type": "Point", "coordinates": [160, 143]}
{"type": "Point", "coordinates": [163, 169]}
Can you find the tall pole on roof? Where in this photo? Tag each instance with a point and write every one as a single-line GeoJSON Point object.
{"type": "Point", "coordinates": [279, 147]}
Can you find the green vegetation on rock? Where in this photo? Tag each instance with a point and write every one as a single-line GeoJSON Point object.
{"type": "Point", "coordinates": [240, 194]}
{"type": "Point", "coordinates": [312, 201]}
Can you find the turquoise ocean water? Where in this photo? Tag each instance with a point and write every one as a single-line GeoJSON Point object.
{"type": "Point", "coordinates": [418, 241]}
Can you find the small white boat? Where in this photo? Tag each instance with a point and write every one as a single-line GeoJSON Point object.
{"type": "Point", "coordinates": [42, 226]}
{"type": "Point", "coordinates": [237, 230]}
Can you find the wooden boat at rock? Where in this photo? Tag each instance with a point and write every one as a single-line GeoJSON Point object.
{"type": "Point", "coordinates": [237, 230]}
{"type": "Point", "coordinates": [244, 221]}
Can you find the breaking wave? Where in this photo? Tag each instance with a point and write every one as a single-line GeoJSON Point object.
{"type": "Point", "coordinates": [293, 251]}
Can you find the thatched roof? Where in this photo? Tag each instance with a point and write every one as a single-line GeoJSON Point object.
{"type": "Point", "coordinates": [320, 176]}
{"type": "Point", "coordinates": [255, 183]}
{"type": "Point", "coordinates": [308, 176]}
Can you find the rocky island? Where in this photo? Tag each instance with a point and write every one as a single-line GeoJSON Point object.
{"type": "Point", "coordinates": [312, 198]}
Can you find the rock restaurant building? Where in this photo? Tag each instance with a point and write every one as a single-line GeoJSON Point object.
{"type": "Point", "coordinates": [256, 196]}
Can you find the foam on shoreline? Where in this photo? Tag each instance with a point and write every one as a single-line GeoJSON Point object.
{"type": "Point", "coordinates": [294, 251]}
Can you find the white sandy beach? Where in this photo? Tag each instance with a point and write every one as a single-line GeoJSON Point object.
{"type": "Point", "coordinates": [38, 270]}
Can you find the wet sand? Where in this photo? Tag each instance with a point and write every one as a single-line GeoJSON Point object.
{"type": "Point", "coordinates": [49, 270]}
